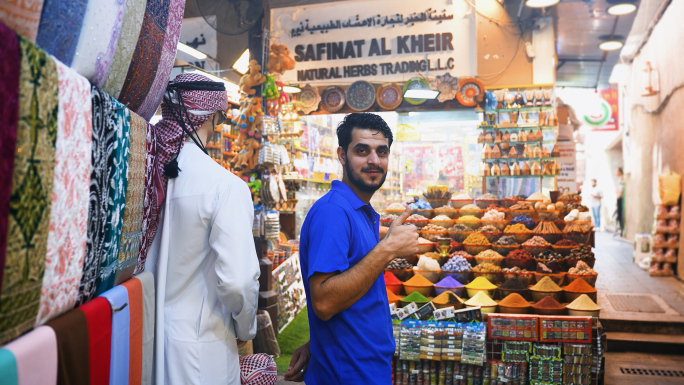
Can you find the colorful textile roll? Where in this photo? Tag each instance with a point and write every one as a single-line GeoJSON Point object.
{"type": "Point", "coordinates": [135, 304]}
{"type": "Point", "coordinates": [118, 300]}
{"type": "Point", "coordinates": [98, 39]}
{"type": "Point", "coordinates": [99, 316]}
{"type": "Point", "coordinates": [73, 350]}
{"type": "Point", "coordinates": [22, 16]}
{"type": "Point", "coordinates": [36, 356]}
{"type": "Point", "coordinates": [8, 368]}
{"type": "Point", "coordinates": [131, 232]}
{"type": "Point", "coordinates": [9, 116]}
{"type": "Point", "coordinates": [66, 242]}
{"type": "Point", "coordinates": [130, 31]}
{"type": "Point", "coordinates": [118, 182]}
{"type": "Point", "coordinates": [104, 139]}
{"type": "Point", "coordinates": [145, 62]}
{"type": "Point", "coordinates": [168, 54]}
{"type": "Point", "coordinates": [150, 206]}
{"type": "Point", "coordinates": [30, 201]}
{"type": "Point", "coordinates": [60, 27]}
{"type": "Point", "coordinates": [147, 281]}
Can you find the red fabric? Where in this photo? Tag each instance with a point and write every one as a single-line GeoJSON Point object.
{"type": "Point", "coordinates": [9, 115]}
{"type": "Point", "coordinates": [99, 316]}
{"type": "Point", "coordinates": [168, 135]}
{"type": "Point", "coordinates": [135, 306]}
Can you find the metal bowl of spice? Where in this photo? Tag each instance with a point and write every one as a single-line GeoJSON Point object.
{"type": "Point", "coordinates": [514, 303]}
{"type": "Point", "coordinates": [518, 285]}
{"type": "Point", "coordinates": [548, 306]}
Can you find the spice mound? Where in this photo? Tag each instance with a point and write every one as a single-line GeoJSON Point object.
{"type": "Point", "coordinates": [487, 268]}
{"type": "Point", "coordinates": [416, 217]}
{"type": "Point", "coordinates": [448, 298]}
{"type": "Point", "coordinates": [522, 205]}
{"type": "Point", "coordinates": [481, 283]}
{"type": "Point", "coordinates": [457, 264]}
{"type": "Point", "coordinates": [546, 284]}
{"type": "Point", "coordinates": [583, 302]}
{"type": "Point", "coordinates": [391, 279]}
{"type": "Point", "coordinates": [449, 283]}
{"type": "Point", "coordinates": [493, 215]}
{"type": "Point", "coordinates": [514, 300]}
{"type": "Point", "coordinates": [433, 227]}
{"type": "Point", "coordinates": [481, 299]}
{"type": "Point", "coordinates": [516, 270]}
{"type": "Point", "coordinates": [470, 207]}
{"type": "Point", "coordinates": [519, 254]}
{"type": "Point", "coordinates": [566, 242]}
{"type": "Point", "coordinates": [396, 207]}
{"type": "Point", "coordinates": [461, 197]}
{"type": "Point", "coordinates": [418, 280]}
{"type": "Point", "coordinates": [582, 252]}
{"type": "Point", "coordinates": [582, 269]}
{"type": "Point", "coordinates": [537, 197]}
{"type": "Point", "coordinates": [579, 286]}
{"type": "Point", "coordinates": [476, 239]}
{"type": "Point", "coordinates": [489, 229]}
{"type": "Point", "coordinates": [415, 297]}
{"type": "Point", "coordinates": [487, 197]}
{"type": "Point", "coordinates": [391, 297]}
{"type": "Point", "coordinates": [548, 303]}
{"type": "Point", "coordinates": [468, 218]}
{"type": "Point", "coordinates": [441, 218]}
{"type": "Point", "coordinates": [515, 284]}
{"type": "Point", "coordinates": [460, 227]}
{"type": "Point", "coordinates": [423, 241]}
{"type": "Point", "coordinates": [388, 217]}
{"type": "Point", "coordinates": [399, 264]}
{"type": "Point", "coordinates": [536, 241]}
{"type": "Point", "coordinates": [517, 228]}
{"type": "Point", "coordinates": [506, 240]}
{"type": "Point", "coordinates": [427, 264]}
{"type": "Point", "coordinates": [489, 254]}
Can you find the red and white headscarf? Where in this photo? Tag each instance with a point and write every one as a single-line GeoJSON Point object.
{"type": "Point", "coordinates": [168, 137]}
{"type": "Point", "coordinates": [258, 369]}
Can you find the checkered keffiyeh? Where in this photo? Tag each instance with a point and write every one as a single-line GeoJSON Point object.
{"type": "Point", "coordinates": [168, 137]}
{"type": "Point", "coordinates": [258, 369]}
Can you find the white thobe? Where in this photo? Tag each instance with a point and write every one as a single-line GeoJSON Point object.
{"type": "Point", "coordinates": [207, 274]}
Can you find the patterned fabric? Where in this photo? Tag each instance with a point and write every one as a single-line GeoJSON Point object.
{"type": "Point", "coordinates": [145, 62]}
{"type": "Point", "coordinates": [9, 116]}
{"type": "Point", "coordinates": [130, 31]}
{"type": "Point", "coordinates": [150, 206]}
{"type": "Point", "coordinates": [116, 203]}
{"type": "Point", "coordinates": [60, 27]}
{"type": "Point", "coordinates": [168, 136]}
{"type": "Point", "coordinates": [258, 369]}
{"type": "Point", "coordinates": [36, 355]}
{"type": "Point", "coordinates": [131, 233]}
{"type": "Point", "coordinates": [22, 16]}
{"type": "Point", "coordinates": [66, 242]}
{"type": "Point", "coordinates": [34, 161]}
{"type": "Point", "coordinates": [98, 39]}
{"type": "Point", "coordinates": [104, 138]}
{"type": "Point", "coordinates": [168, 54]}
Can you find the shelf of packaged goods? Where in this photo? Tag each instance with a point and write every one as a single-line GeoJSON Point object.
{"type": "Point", "coordinates": [214, 146]}
{"type": "Point", "coordinates": [665, 246]}
{"type": "Point", "coordinates": [390, 188]}
{"type": "Point", "coordinates": [497, 128]}
{"type": "Point", "coordinates": [226, 153]}
{"type": "Point", "coordinates": [316, 181]}
{"type": "Point", "coordinates": [302, 149]}
{"type": "Point", "coordinates": [519, 159]}
{"type": "Point", "coordinates": [226, 135]}
{"type": "Point", "coordinates": [526, 142]}
{"type": "Point", "coordinates": [519, 176]}
{"type": "Point", "coordinates": [521, 109]}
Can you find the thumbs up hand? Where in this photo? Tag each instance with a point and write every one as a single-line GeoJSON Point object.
{"type": "Point", "coordinates": [401, 239]}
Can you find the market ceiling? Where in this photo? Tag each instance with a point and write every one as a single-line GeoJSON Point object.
{"type": "Point", "coordinates": [581, 24]}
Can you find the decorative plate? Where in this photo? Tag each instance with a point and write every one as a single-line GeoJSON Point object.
{"type": "Point", "coordinates": [447, 86]}
{"type": "Point", "coordinates": [309, 99]}
{"type": "Point", "coordinates": [471, 92]}
{"type": "Point", "coordinates": [333, 99]}
{"type": "Point", "coordinates": [389, 96]}
{"type": "Point", "coordinates": [415, 83]}
{"type": "Point", "coordinates": [360, 95]}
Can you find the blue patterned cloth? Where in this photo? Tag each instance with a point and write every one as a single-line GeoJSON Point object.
{"type": "Point", "coordinates": [60, 27]}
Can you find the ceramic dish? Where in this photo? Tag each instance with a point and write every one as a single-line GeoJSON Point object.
{"type": "Point", "coordinates": [360, 95]}
{"type": "Point", "coordinates": [333, 99]}
{"type": "Point", "coordinates": [389, 96]}
{"type": "Point", "coordinates": [309, 99]}
{"type": "Point", "coordinates": [415, 83]}
{"type": "Point", "coordinates": [447, 86]}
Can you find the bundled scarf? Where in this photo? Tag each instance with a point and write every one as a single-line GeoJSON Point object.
{"type": "Point", "coordinates": [258, 369]}
{"type": "Point", "coordinates": [168, 136]}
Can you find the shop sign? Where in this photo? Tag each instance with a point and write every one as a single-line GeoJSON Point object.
{"type": "Point", "coordinates": [603, 115]}
{"type": "Point", "coordinates": [408, 132]}
{"type": "Point", "coordinates": [568, 164]}
{"type": "Point", "coordinates": [378, 40]}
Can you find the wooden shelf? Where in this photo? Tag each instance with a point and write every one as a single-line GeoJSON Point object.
{"type": "Point", "coordinates": [662, 230]}
{"type": "Point", "coordinates": [225, 135]}
{"type": "Point", "coordinates": [665, 246]}
{"type": "Point", "coordinates": [212, 146]}
{"type": "Point", "coordinates": [226, 153]}
{"type": "Point", "coordinates": [302, 149]}
{"type": "Point", "coordinates": [668, 216]}
{"type": "Point", "coordinates": [517, 128]}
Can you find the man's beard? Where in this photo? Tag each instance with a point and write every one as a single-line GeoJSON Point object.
{"type": "Point", "coordinates": [359, 183]}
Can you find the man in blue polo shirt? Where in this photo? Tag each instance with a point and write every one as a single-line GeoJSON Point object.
{"type": "Point", "coordinates": [343, 260]}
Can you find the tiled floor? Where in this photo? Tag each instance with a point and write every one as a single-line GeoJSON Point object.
{"type": "Point", "coordinates": [618, 274]}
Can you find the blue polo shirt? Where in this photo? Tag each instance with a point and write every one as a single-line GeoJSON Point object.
{"type": "Point", "coordinates": [355, 346]}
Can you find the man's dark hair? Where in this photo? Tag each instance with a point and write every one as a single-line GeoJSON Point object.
{"type": "Point", "coordinates": [593, 180]}
{"type": "Point", "coordinates": [620, 169]}
{"type": "Point", "coordinates": [361, 120]}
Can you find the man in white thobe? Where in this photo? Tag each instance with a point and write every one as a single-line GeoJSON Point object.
{"type": "Point", "coordinates": [206, 265]}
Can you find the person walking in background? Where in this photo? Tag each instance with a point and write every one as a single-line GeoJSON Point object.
{"type": "Point", "coordinates": [343, 261]}
{"type": "Point", "coordinates": [595, 196]}
{"type": "Point", "coordinates": [620, 199]}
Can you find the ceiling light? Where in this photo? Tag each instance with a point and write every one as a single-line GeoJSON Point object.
{"type": "Point", "coordinates": [230, 86]}
{"type": "Point", "coordinates": [541, 3]}
{"type": "Point", "coordinates": [242, 64]}
{"type": "Point", "coordinates": [421, 94]}
{"type": "Point", "coordinates": [191, 51]}
{"type": "Point", "coordinates": [291, 90]}
{"type": "Point", "coordinates": [620, 9]}
{"type": "Point", "coordinates": [610, 45]}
